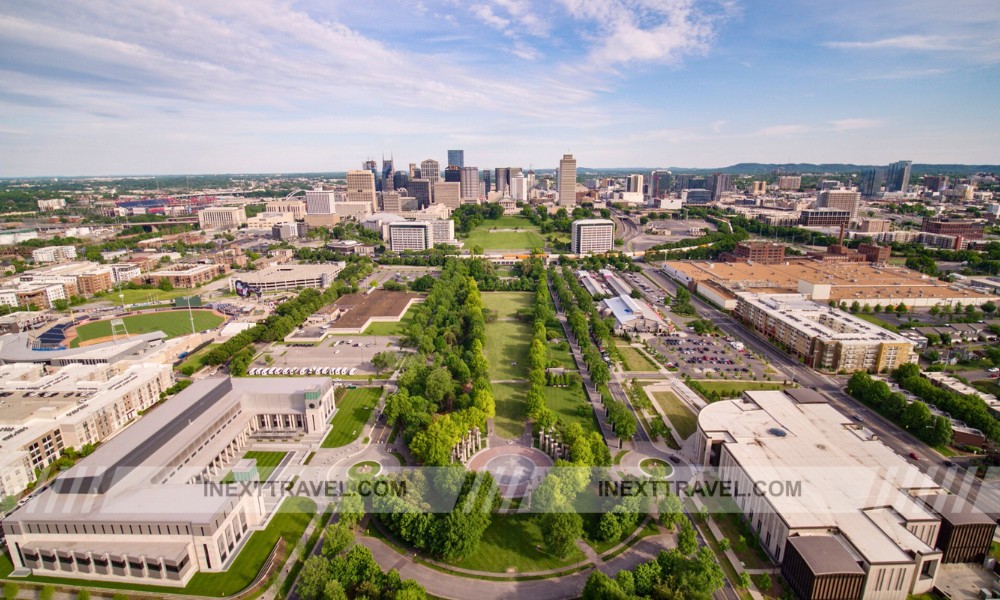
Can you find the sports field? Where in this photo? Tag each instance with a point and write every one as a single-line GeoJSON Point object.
{"type": "Point", "coordinates": [507, 340]}
{"type": "Point", "coordinates": [170, 322]}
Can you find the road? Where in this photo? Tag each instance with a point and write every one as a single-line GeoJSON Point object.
{"type": "Point", "coordinates": [958, 481]}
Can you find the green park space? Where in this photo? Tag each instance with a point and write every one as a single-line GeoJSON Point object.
{"type": "Point", "coordinates": [353, 410]}
{"type": "Point", "coordinates": [514, 542]}
{"type": "Point", "coordinates": [288, 524]}
{"type": "Point", "coordinates": [507, 341]}
{"type": "Point", "coordinates": [680, 416]}
{"type": "Point", "coordinates": [516, 233]}
{"type": "Point", "coordinates": [570, 406]}
{"type": "Point", "coordinates": [365, 468]}
{"type": "Point", "coordinates": [656, 467]}
{"type": "Point", "coordinates": [171, 322]}
{"type": "Point", "coordinates": [266, 463]}
{"type": "Point", "coordinates": [510, 407]}
{"type": "Point", "coordinates": [397, 328]}
{"type": "Point", "coordinates": [634, 360]}
{"type": "Point", "coordinates": [196, 361]}
{"type": "Point", "coordinates": [564, 357]}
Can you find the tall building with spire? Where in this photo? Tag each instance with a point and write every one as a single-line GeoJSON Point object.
{"type": "Point", "coordinates": [567, 181]}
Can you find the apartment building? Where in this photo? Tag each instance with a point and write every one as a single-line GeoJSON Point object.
{"type": "Point", "coordinates": [50, 254]}
{"type": "Point", "coordinates": [965, 228]}
{"type": "Point", "coordinates": [189, 275]}
{"type": "Point", "coordinates": [765, 253]}
{"type": "Point", "coordinates": [41, 414]}
{"type": "Point", "coordinates": [824, 338]}
{"type": "Point", "coordinates": [825, 217]}
{"type": "Point", "coordinates": [588, 236]}
{"type": "Point", "coordinates": [410, 235]}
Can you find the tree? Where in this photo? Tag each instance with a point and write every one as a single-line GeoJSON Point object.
{"type": "Point", "coordinates": [313, 578]}
{"type": "Point", "coordinates": [916, 415]}
{"type": "Point", "coordinates": [334, 591]}
{"type": "Point", "coordinates": [901, 309]}
{"type": "Point", "coordinates": [764, 582]}
{"type": "Point", "coordinates": [560, 530]}
{"type": "Point", "coordinates": [336, 539]}
{"type": "Point", "coordinates": [384, 360]}
{"type": "Point", "coordinates": [989, 308]}
{"type": "Point", "coordinates": [165, 285]}
{"type": "Point", "coordinates": [687, 539]}
{"type": "Point", "coordinates": [935, 311]}
{"type": "Point", "coordinates": [47, 593]}
{"type": "Point", "coordinates": [855, 307]}
{"type": "Point", "coordinates": [352, 510]}
{"type": "Point", "coordinates": [601, 587]}
{"type": "Point", "coordinates": [671, 511]}
{"type": "Point", "coordinates": [83, 595]}
{"type": "Point", "coordinates": [10, 590]}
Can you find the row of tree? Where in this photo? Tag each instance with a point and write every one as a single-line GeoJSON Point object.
{"type": "Point", "coordinates": [969, 409]}
{"type": "Point", "coordinates": [538, 353]}
{"type": "Point", "coordinates": [915, 417]}
{"type": "Point", "coordinates": [449, 374]}
{"type": "Point", "coordinates": [579, 325]}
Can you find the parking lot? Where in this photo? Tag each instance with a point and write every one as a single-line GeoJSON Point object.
{"type": "Point", "coordinates": [710, 356]}
{"type": "Point", "coordinates": [336, 352]}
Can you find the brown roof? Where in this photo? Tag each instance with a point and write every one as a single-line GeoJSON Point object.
{"type": "Point", "coordinates": [825, 555]}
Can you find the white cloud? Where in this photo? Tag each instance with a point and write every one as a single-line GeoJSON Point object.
{"type": "Point", "coordinates": [841, 125]}
{"type": "Point", "coordinates": [646, 31]}
{"type": "Point", "coordinates": [902, 42]}
{"type": "Point", "coordinates": [716, 126]}
{"type": "Point", "coordinates": [484, 13]}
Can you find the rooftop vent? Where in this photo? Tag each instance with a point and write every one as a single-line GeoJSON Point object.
{"type": "Point", "coordinates": [777, 432]}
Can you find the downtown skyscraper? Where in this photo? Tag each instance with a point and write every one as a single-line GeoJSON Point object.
{"type": "Point", "coordinates": [456, 158]}
{"type": "Point", "coordinates": [567, 181]}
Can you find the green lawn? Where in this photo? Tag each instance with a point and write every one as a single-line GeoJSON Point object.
{"type": "Point", "coordinates": [514, 542]}
{"type": "Point", "coordinates": [565, 357]}
{"type": "Point", "coordinates": [507, 341]}
{"type": "Point", "coordinates": [266, 463]}
{"type": "Point", "coordinates": [525, 239]}
{"type": "Point", "coordinates": [741, 386]}
{"type": "Point", "coordinates": [680, 416]}
{"type": "Point", "coordinates": [634, 360]}
{"type": "Point", "coordinates": [566, 403]}
{"type": "Point", "coordinates": [195, 360]}
{"type": "Point", "coordinates": [288, 524]}
{"type": "Point", "coordinates": [987, 385]}
{"type": "Point", "coordinates": [510, 222]}
{"type": "Point", "coordinates": [353, 410]}
{"type": "Point", "coordinates": [392, 328]}
{"type": "Point", "coordinates": [877, 321]}
{"type": "Point", "coordinates": [510, 402]}
{"type": "Point", "coordinates": [172, 323]}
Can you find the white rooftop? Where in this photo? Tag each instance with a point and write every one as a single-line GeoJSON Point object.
{"type": "Point", "coordinates": [850, 481]}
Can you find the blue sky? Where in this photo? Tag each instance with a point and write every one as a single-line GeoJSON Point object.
{"type": "Point", "coordinates": [92, 87]}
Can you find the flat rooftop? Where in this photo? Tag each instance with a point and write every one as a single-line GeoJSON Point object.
{"type": "Point", "coordinates": [848, 280]}
{"type": "Point", "coordinates": [844, 471]}
{"type": "Point", "coordinates": [358, 308]}
{"type": "Point", "coordinates": [819, 320]}
{"type": "Point", "coordinates": [281, 273]}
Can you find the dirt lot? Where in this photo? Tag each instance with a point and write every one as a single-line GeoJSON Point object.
{"type": "Point", "coordinates": [361, 307]}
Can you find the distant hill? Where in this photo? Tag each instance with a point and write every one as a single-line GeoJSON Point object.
{"type": "Point", "coordinates": [797, 168]}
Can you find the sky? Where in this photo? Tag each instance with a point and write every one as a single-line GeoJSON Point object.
{"type": "Point", "coordinates": [109, 87]}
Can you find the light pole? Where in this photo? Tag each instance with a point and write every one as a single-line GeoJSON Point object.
{"type": "Point", "coordinates": [190, 314]}
{"type": "Point", "coordinates": [122, 296]}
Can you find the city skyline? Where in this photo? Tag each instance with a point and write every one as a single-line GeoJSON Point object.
{"type": "Point", "coordinates": [100, 89]}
